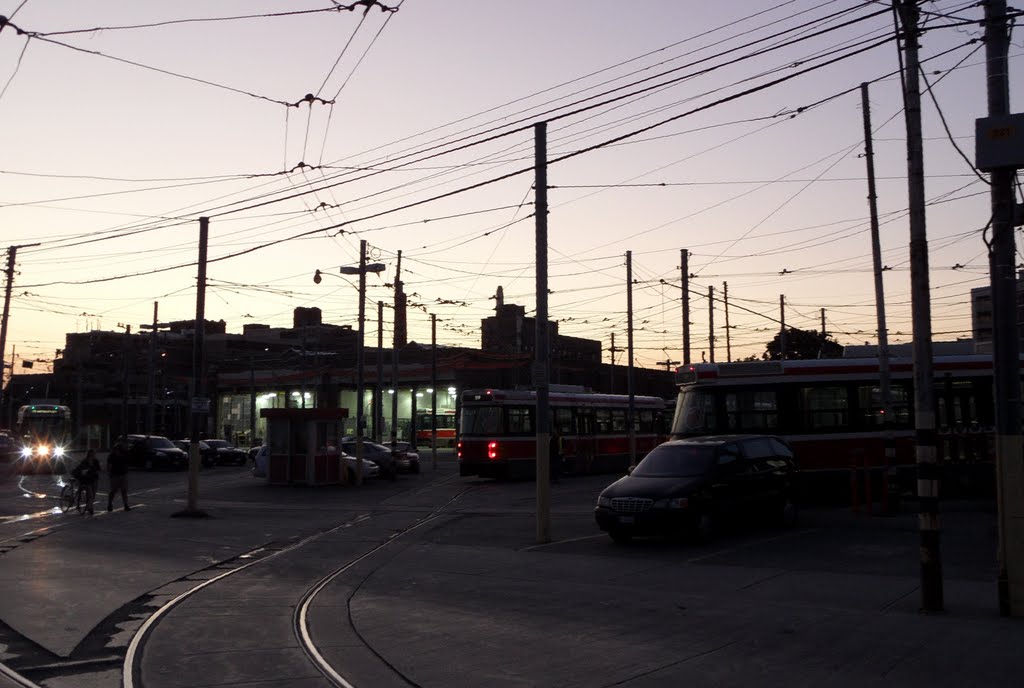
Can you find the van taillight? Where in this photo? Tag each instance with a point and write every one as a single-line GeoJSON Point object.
{"type": "Point", "coordinates": [492, 450]}
{"type": "Point", "coordinates": [458, 452]}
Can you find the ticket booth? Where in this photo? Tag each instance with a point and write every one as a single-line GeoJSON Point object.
{"type": "Point", "coordinates": [305, 445]}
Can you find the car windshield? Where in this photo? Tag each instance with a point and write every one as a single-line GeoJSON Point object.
{"type": "Point", "coordinates": [677, 461]}
{"type": "Point", "coordinates": [159, 443]}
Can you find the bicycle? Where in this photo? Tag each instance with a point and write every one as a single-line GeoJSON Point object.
{"type": "Point", "coordinates": [72, 496]}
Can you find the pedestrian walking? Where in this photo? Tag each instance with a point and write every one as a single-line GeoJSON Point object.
{"type": "Point", "coordinates": [117, 470]}
{"type": "Point", "coordinates": [87, 473]}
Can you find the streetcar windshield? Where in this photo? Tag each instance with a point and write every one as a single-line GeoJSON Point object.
{"type": "Point", "coordinates": [481, 420]}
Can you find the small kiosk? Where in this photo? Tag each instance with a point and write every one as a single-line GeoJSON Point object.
{"type": "Point", "coordinates": [304, 445]}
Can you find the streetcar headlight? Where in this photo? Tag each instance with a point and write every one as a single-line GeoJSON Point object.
{"type": "Point", "coordinates": [44, 450]}
{"type": "Point", "coordinates": [58, 452]}
{"type": "Point", "coordinates": [26, 452]}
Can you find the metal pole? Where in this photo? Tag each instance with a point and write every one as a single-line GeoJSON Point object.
{"type": "Point", "coordinates": [684, 256]}
{"type": "Point", "coordinates": [541, 365]}
{"type": "Point", "coordinates": [252, 401]}
{"type": "Point", "coordinates": [884, 385]}
{"type": "Point", "coordinates": [924, 406]}
{"type": "Point", "coordinates": [711, 324]}
{"type": "Point", "coordinates": [1005, 342]}
{"type": "Point", "coordinates": [378, 407]}
{"type": "Point", "coordinates": [397, 343]}
{"type": "Point", "coordinates": [359, 363]}
{"type": "Point", "coordinates": [782, 326]}
{"type": "Point", "coordinates": [198, 370]}
{"type": "Point", "coordinates": [433, 391]}
{"type": "Point", "coordinates": [151, 413]}
{"type": "Point", "coordinates": [728, 338]}
{"type": "Point", "coordinates": [631, 410]}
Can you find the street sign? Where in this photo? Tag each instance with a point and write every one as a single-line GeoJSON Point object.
{"type": "Point", "coordinates": [200, 405]}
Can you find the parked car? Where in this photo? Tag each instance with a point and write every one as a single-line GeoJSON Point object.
{"type": "Point", "coordinates": [207, 455]}
{"type": "Point", "coordinates": [227, 453]}
{"type": "Point", "coordinates": [378, 453]}
{"type": "Point", "coordinates": [692, 485]}
{"type": "Point", "coordinates": [370, 469]}
{"type": "Point", "coordinates": [406, 457]}
{"type": "Point", "coordinates": [150, 452]}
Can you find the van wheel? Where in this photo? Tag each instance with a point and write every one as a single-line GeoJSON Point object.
{"type": "Point", "coordinates": [622, 537]}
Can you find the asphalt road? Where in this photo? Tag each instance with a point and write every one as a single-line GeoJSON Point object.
{"type": "Point", "coordinates": [436, 580]}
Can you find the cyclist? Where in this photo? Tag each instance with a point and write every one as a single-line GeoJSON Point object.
{"type": "Point", "coordinates": [87, 473]}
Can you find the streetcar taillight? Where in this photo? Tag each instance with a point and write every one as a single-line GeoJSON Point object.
{"type": "Point", "coordinates": [458, 448]}
{"type": "Point", "coordinates": [492, 450]}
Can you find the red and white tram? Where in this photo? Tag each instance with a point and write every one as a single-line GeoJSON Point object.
{"type": "Point", "coordinates": [830, 410]}
{"type": "Point", "coordinates": [498, 432]}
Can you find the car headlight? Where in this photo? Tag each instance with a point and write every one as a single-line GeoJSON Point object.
{"type": "Point", "coordinates": [673, 503]}
{"type": "Point", "coordinates": [161, 454]}
{"type": "Point", "coordinates": [26, 452]}
{"type": "Point", "coordinates": [604, 501]}
{"type": "Point", "coordinates": [58, 451]}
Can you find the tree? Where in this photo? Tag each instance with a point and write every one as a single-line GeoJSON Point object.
{"type": "Point", "coordinates": [803, 344]}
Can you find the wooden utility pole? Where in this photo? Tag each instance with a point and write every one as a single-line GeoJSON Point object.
{"type": "Point", "coordinates": [684, 270]}
{"type": "Point", "coordinates": [728, 338]}
{"type": "Point", "coordinates": [541, 363]}
{"type": "Point", "coordinates": [397, 343]}
{"type": "Point", "coordinates": [711, 324]}
{"type": "Point", "coordinates": [1005, 336]}
{"type": "Point", "coordinates": [920, 297]}
{"type": "Point", "coordinates": [378, 395]}
{"type": "Point", "coordinates": [12, 252]}
{"type": "Point", "coordinates": [433, 391]}
{"type": "Point", "coordinates": [613, 350]}
{"type": "Point", "coordinates": [631, 410]}
{"type": "Point", "coordinates": [199, 403]}
{"type": "Point", "coordinates": [782, 327]}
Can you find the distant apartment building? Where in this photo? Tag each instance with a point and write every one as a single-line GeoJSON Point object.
{"type": "Point", "coordinates": [981, 316]}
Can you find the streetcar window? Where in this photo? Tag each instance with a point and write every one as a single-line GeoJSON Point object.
{"type": "Point", "coordinates": [870, 397]}
{"type": "Point", "coordinates": [481, 420]}
{"type": "Point", "coordinates": [618, 420]}
{"type": "Point", "coordinates": [825, 407]}
{"type": "Point", "coordinates": [602, 421]}
{"type": "Point", "coordinates": [695, 412]}
{"type": "Point", "coordinates": [646, 421]}
{"type": "Point", "coordinates": [563, 421]}
{"type": "Point", "coordinates": [751, 410]}
{"type": "Point", "coordinates": [520, 420]}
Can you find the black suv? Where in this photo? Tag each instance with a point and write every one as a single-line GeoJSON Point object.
{"type": "Point", "coordinates": [150, 452]}
{"type": "Point", "coordinates": [690, 485]}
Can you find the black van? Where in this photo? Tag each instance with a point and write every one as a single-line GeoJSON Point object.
{"type": "Point", "coordinates": [691, 484]}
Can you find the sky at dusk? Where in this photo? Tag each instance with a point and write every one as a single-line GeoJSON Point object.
{"type": "Point", "coordinates": [124, 123]}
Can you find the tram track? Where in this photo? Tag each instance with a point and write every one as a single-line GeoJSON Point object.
{"type": "Point", "coordinates": [131, 667]}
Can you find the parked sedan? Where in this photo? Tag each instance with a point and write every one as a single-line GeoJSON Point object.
{"type": "Point", "coordinates": [378, 453]}
{"type": "Point", "coordinates": [207, 455]}
{"type": "Point", "coordinates": [227, 453]}
{"type": "Point", "coordinates": [407, 459]}
{"type": "Point", "coordinates": [691, 485]}
{"type": "Point", "coordinates": [150, 452]}
{"type": "Point", "coordinates": [370, 469]}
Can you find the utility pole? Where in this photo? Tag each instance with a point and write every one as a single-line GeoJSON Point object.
{"type": "Point", "coordinates": [924, 405]}
{"type": "Point", "coordinates": [711, 324]}
{"type": "Point", "coordinates": [252, 401]}
{"type": "Point", "coordinates": [541, 363]}
{"type": "Point", "coordinates": [728, 338]}
{"type": "Point", "coordinates": [397, 343]}
{"type": "Point", "coordinates": [782, 326]}
{"type": "Point", "coordinates": [360, 415]}
{"type": "Point", "coordinates": [684, 269]}
{"type": "Point", "coordinates": [125, 371]}
{"type": "Point", "coordinates": [631, 411]}
{"type": "Point", "coordinates": [378, 407]}
{"type": "Point", "coordinates": [1005, 336]}
{"type": "Point", "coordinates": [668, 362]}
{"type": "Point", "coordinates": [433, 391]}
{"type": "Point", "coordinates": [876, 256]}
{"type": "Point", "coordinates": [613, 350]}
{"type": "Point", "coordinates": [12, 252]}
{"type": "Point", "coordinates": [200, 405]}
{"type": "Point", "coordinates": [151, 412]}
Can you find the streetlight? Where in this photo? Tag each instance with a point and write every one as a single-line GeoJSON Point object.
{"type": "Point", "coordinates": [361, 271]}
